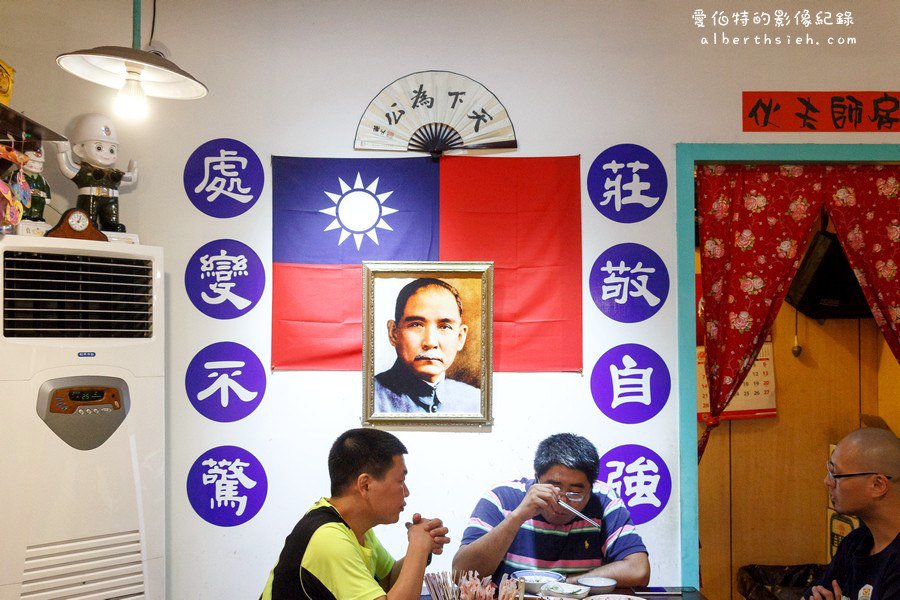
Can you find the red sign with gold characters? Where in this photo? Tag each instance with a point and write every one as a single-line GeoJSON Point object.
{"type": "Point", "coordinates": [821, 111]}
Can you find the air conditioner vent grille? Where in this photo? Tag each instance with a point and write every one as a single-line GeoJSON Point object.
{"type": "Point", "coordinates": [71, 296]}
{"type": "Point", "coordinates": [104, 567]}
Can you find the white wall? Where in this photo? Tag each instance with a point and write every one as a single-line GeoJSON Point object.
{"type": "Point", "coordinates": [292, 78]}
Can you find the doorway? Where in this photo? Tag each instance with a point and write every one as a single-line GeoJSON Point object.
{"type": "Point", "coordinates": [794, 474]}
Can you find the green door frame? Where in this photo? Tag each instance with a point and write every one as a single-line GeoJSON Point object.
{"type": "Point", "coordinates": [686, 156]}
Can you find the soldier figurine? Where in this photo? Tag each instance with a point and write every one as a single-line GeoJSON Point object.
{"type": "Point", "coordinates": [40, 189]}
{"type": "Point", "coordinates": [96, 144]}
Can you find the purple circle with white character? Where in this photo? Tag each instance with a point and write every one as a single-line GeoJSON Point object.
{"type": "Point", "coordinates": [223, 178]}
{"type": "Point", "coordinates": [630, 383]}
{"type": "Point", "coordinates": [225, 382]}
{"type": "Point", "coordinates": [629, 282]}
{"type": "Point", "coordinates": [224, 279]}
{"type": "Point", "coordinates": [641, 479]}
{"type": "Point", "coordinates": [227, 486]}
{"type": "Point", "coordinates": [627, 183]}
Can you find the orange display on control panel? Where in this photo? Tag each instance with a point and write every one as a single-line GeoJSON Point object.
{"type": "Point", "coordinates": [69, 400]}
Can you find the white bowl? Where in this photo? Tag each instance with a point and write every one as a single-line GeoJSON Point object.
{"type": "Point", "coordinates": [535, 578]}
{"type": "Point", "coordinates": [598, 585]}
{"type": "Point", "coordinates": [561, 589]}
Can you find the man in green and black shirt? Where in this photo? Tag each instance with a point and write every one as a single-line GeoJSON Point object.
{"type": "Point", "coordinates": [332, 553]}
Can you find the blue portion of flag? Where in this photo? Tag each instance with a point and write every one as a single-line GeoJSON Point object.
{"type": "Point", "coordinates": [383, 208]}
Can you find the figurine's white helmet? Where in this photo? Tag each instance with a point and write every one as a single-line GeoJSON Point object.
{"type": "Point", "coordinates": [94, 127]}
{"type": "Point", "coordinates": [35, 162]}
{"type": "Point", "coordinates": [95, 140]}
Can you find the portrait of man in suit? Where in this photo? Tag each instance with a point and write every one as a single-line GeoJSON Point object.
{"type": "Point", "coordinates": [428, 330]}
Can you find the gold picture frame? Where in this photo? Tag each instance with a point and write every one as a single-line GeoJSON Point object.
{"type": "Point", "coordinates": [432, 363]}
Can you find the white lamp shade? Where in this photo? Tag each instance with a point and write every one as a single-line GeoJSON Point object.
{"type": "Point", "coordinates": [108, 66]}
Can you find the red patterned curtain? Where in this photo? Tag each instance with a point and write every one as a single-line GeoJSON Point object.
{"type": "Point", "coordinates": [755, 224]}
{"type": "Point", "coordinates": [864, 205]}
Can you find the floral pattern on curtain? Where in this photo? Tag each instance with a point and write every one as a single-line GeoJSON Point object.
{"type": "Point", "coordinates": [864, 205]}
{"type": "Point", "coordinates": [755, 224]}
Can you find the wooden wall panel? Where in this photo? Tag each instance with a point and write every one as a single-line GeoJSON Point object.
{"type": "Point", "coordinates": [715, 514]}
{"type": "Point", "coordinates": [778, 502]}
{"type": "Point", "coordinates": [777, 465]}
{"type": "Point", "coordinates": [869, 339]}
{"type": "Point", "coordinates": [888, 385]}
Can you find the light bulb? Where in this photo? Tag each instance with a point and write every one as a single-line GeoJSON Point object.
{"type": "Point", "coordinates": [131, 101]}
{"type": "Point", "coordinates": [797, 348]}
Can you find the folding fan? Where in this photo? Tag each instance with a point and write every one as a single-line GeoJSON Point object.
{"type": "Point", "coordinates": [434, 111]}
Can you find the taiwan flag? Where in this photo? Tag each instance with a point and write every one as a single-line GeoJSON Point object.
{"type": "Point", "coordinates": [330, 214]}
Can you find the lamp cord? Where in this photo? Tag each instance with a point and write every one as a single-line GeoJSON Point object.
{"type": "Point", "coordinates": [53, 208]}
{"type": "Point", "coordinates": [136, 24]}
{"type": "Point", "coordinates": [153, 23]}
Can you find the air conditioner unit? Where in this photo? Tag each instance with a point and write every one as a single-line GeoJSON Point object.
{"type": "Point", "coordinates": [82, 420]}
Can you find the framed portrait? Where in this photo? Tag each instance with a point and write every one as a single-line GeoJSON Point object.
{"type": "Point", "coordinates": [427, 352]}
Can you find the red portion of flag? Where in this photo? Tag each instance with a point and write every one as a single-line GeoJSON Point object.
{"type": "Point", "coordinates": [524, 214]}
{"type": "Point", "coordinates": [521, 213]}
{"type": "Point", "coordinates": [317, 317]}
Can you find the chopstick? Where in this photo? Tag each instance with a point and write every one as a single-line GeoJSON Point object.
{"type": "Point", "coordinates": [588, 519]}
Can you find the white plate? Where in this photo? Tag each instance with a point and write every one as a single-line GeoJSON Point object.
{"type": "Point", "coordinates": [576, 591]}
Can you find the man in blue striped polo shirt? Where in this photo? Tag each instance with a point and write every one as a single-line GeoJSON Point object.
{"type": "Point", "coordinates": [521, 525]}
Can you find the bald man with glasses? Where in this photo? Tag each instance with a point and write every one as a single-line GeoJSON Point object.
{"type": "Point", "coordinates": [522, 525]}
{"type": "Point", "coordinates": [861, 479]}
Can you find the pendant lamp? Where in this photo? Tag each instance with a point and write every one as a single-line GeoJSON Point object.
{"type": "Point", "coordinates": [134, 72]}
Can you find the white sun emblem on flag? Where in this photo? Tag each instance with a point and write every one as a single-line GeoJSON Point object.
{"type": "Point", "coordinates": [358, 211]}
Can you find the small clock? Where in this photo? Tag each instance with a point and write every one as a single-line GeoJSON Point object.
{"type": "Point", "coordinates": [78, 220]}
{"type": "Point", "coordinates": [76, 223]}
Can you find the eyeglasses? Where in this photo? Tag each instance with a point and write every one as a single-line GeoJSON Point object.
{"type": "Point", "coordinates": [836, 476]}
{"type": "Point", "coordinates": [573, 496]}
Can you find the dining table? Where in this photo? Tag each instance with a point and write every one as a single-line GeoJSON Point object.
{"type": "Point", "coordinates": [628, 593]}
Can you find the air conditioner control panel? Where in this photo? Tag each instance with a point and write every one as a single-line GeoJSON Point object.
{"type": "Point", "coordinates": [85, 400]}
{"type": "Point", "coordinates": [83, 410]}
